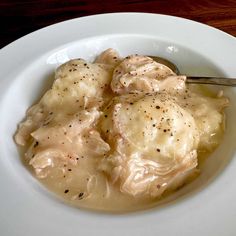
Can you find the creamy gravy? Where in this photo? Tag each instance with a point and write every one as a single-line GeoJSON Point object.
{"type": "Point", "coordinates": [120, 134]}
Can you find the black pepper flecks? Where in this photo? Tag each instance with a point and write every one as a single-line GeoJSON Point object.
{"type": "Point", "coordinates": [158, 186]}
{"type": "Point", "coordinates": [81, 195]}
{"type": "Point", "coordinates": [36, 144]}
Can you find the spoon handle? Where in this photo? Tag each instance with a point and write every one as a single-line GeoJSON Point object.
{"type": "Point", "coordinates": [211, 80]}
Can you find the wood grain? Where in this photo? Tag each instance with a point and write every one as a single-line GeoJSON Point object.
{"type": "Point", "coordinates": [18, 18]}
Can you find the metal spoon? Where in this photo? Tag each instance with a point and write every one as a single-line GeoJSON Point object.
{"type": "Point", "coordinates": [197, 79]}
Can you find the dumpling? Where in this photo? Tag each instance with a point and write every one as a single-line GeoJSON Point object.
{"type": "Point", "coordinates": [143, 74]}
{"type": "Point", "coordinates": [153, 139]}
{"type": "Point", "coordinates": [208, 115]}
{"type": "Point", "coordinates": [78, 85]}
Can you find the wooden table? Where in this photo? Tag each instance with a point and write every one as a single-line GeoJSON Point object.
{"type": "Point", "coordinates": [19, 17]}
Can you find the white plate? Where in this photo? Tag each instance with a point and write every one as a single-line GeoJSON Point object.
{"type": "Point", "coordinates": [26, 208]}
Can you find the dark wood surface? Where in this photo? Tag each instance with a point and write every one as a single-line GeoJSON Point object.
{"type": "Point", "coordinates": [18, 18]}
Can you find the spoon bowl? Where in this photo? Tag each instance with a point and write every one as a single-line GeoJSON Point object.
{"type": "Point", "coordinates": [167, 63]}
{"type": "Point", "coordinates": [196, 79]}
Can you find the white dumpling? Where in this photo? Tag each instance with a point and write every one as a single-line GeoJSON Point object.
{"type": "Point", "coordinates": [141, 73]}
{"type": "Point", "coordinates": [78, 85]}
{"type": "Point", "coordinates": [208, 115]}
{"type": "Point", "coordinates": [154, 141]}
